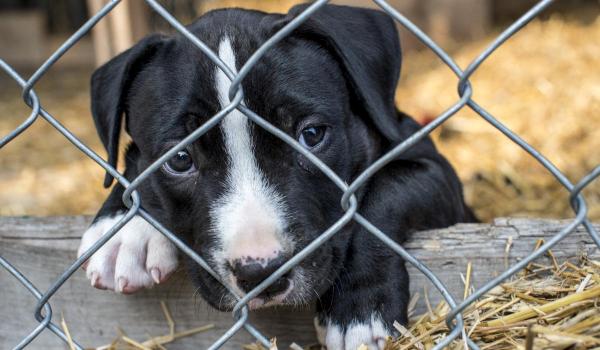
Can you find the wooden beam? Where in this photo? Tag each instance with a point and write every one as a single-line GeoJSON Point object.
{"type": "Point", "coordinates": [100, 34]}
{"type": "Point", "coordinates": [121, 29]}
{"type": "Point", "coordinates": [42, 248]}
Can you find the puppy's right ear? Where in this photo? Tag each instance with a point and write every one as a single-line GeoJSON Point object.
{"type": "Point", "coordinates": [110, 84]}
{"type": "Point", "coordinates": [366, 45]}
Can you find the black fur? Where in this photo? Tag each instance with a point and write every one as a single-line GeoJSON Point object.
{"type": "Point", "coordinates": [340, 69]}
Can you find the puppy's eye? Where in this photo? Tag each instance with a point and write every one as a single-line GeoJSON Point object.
{"type": "Point", "coordinates": [181, 163]}
{"type": "Point", "coordinates": [313, 135]}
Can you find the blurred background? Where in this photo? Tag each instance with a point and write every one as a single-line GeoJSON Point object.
{"type": "Point", "coordinates": [544, 83]}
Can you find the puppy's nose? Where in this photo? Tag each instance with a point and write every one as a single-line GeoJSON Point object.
{"type": "Point", "coordinates": [251, 272]}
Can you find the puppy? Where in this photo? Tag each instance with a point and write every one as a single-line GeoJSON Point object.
{"type": "Point", "coordinates": [246, 201]}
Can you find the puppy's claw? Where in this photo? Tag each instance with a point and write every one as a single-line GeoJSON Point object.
{"type": "Point", "coordinates": [155, 272]}
{"type": "Point", "coordinates": [122, 284]}
{"type": "Point", "coordinates": [94, 277]}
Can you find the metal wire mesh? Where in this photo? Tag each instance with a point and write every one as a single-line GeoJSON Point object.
{"type": "Point", "coordinates": [43, 310]}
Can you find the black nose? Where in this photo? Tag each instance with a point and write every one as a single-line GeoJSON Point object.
{"type": "Point", "coordinates": [251, 272]}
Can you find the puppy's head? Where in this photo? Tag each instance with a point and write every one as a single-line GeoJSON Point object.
{"type": "Point", "coordinates": [242, 198]}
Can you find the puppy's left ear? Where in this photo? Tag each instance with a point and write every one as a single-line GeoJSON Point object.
{"type": "Point", "coordinates": [109, 87]}
{"type": "Point", "coordinates": [367, 45]}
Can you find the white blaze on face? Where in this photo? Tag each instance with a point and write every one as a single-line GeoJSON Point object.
{"type": "Point", "coordinates": [249, 218]}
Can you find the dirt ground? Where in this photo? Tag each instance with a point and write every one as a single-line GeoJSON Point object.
{"type": "Point", "coordinates": [544, 84]}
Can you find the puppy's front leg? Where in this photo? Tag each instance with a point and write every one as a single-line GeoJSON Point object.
{"type": "Point", "coordinates": [136, 257]}
{"type": "Point", "coordinates": [363, 304]}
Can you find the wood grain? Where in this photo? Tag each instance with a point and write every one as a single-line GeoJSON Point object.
{"type": "Point", "coordinates": [44, 247]}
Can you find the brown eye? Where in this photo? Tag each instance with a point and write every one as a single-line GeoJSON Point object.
{"type": "Point", "coordinates": [311, 136]}
{"type": "Point", "coordinates": [180, 164]}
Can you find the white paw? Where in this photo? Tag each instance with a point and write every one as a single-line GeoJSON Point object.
{"type": "Point", "coordinates": [136, 257]}
{"type": "Point", "coordinates": [371, 333]}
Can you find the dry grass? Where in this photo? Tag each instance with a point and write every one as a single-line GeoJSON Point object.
{"type": "Point", "coordinates": [543, 83]}
{"type": "Point", "coordinates": [41, 173]}
{"type": "Point", "coordinates": [554, 306]}
{"type": "Point", "coordinates": [124, 342]}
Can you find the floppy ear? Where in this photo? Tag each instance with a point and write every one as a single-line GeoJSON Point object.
{"type": "Point", "coordinates": [110, 84]}
{"type": "Point", "coordinates": [367, 45]}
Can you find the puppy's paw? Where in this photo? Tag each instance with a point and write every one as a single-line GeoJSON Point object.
{"type": "Point", "coordinates": [136, 257]}
{"type": "Point", "coordinates": [371, 332]}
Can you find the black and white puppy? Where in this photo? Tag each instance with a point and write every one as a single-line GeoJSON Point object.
{"type": "Point", "coordinates": [246, 201]}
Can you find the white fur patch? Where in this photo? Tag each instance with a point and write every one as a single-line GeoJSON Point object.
{"type": "Point", "coordinates": [249, 219]}
{"type": "Point", "coordinates": [372, 333]}
{"type": "Point", "coordinates": [334, 337]}
{"type": "Point", "coordinates": [138, 256]}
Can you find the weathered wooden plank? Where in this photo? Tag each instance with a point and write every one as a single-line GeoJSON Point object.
{"type": "Point", "coordinates": [44, 247]}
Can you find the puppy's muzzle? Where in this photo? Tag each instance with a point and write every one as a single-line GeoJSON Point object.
{"type": "Point", "coordinates": [250, 272]}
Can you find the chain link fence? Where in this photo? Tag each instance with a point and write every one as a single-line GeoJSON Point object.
{"type": "Point", "coordinates": [43, 310]}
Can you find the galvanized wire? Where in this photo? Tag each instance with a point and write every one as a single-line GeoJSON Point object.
{"type": "Point", "coordinates": [348, 202]}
